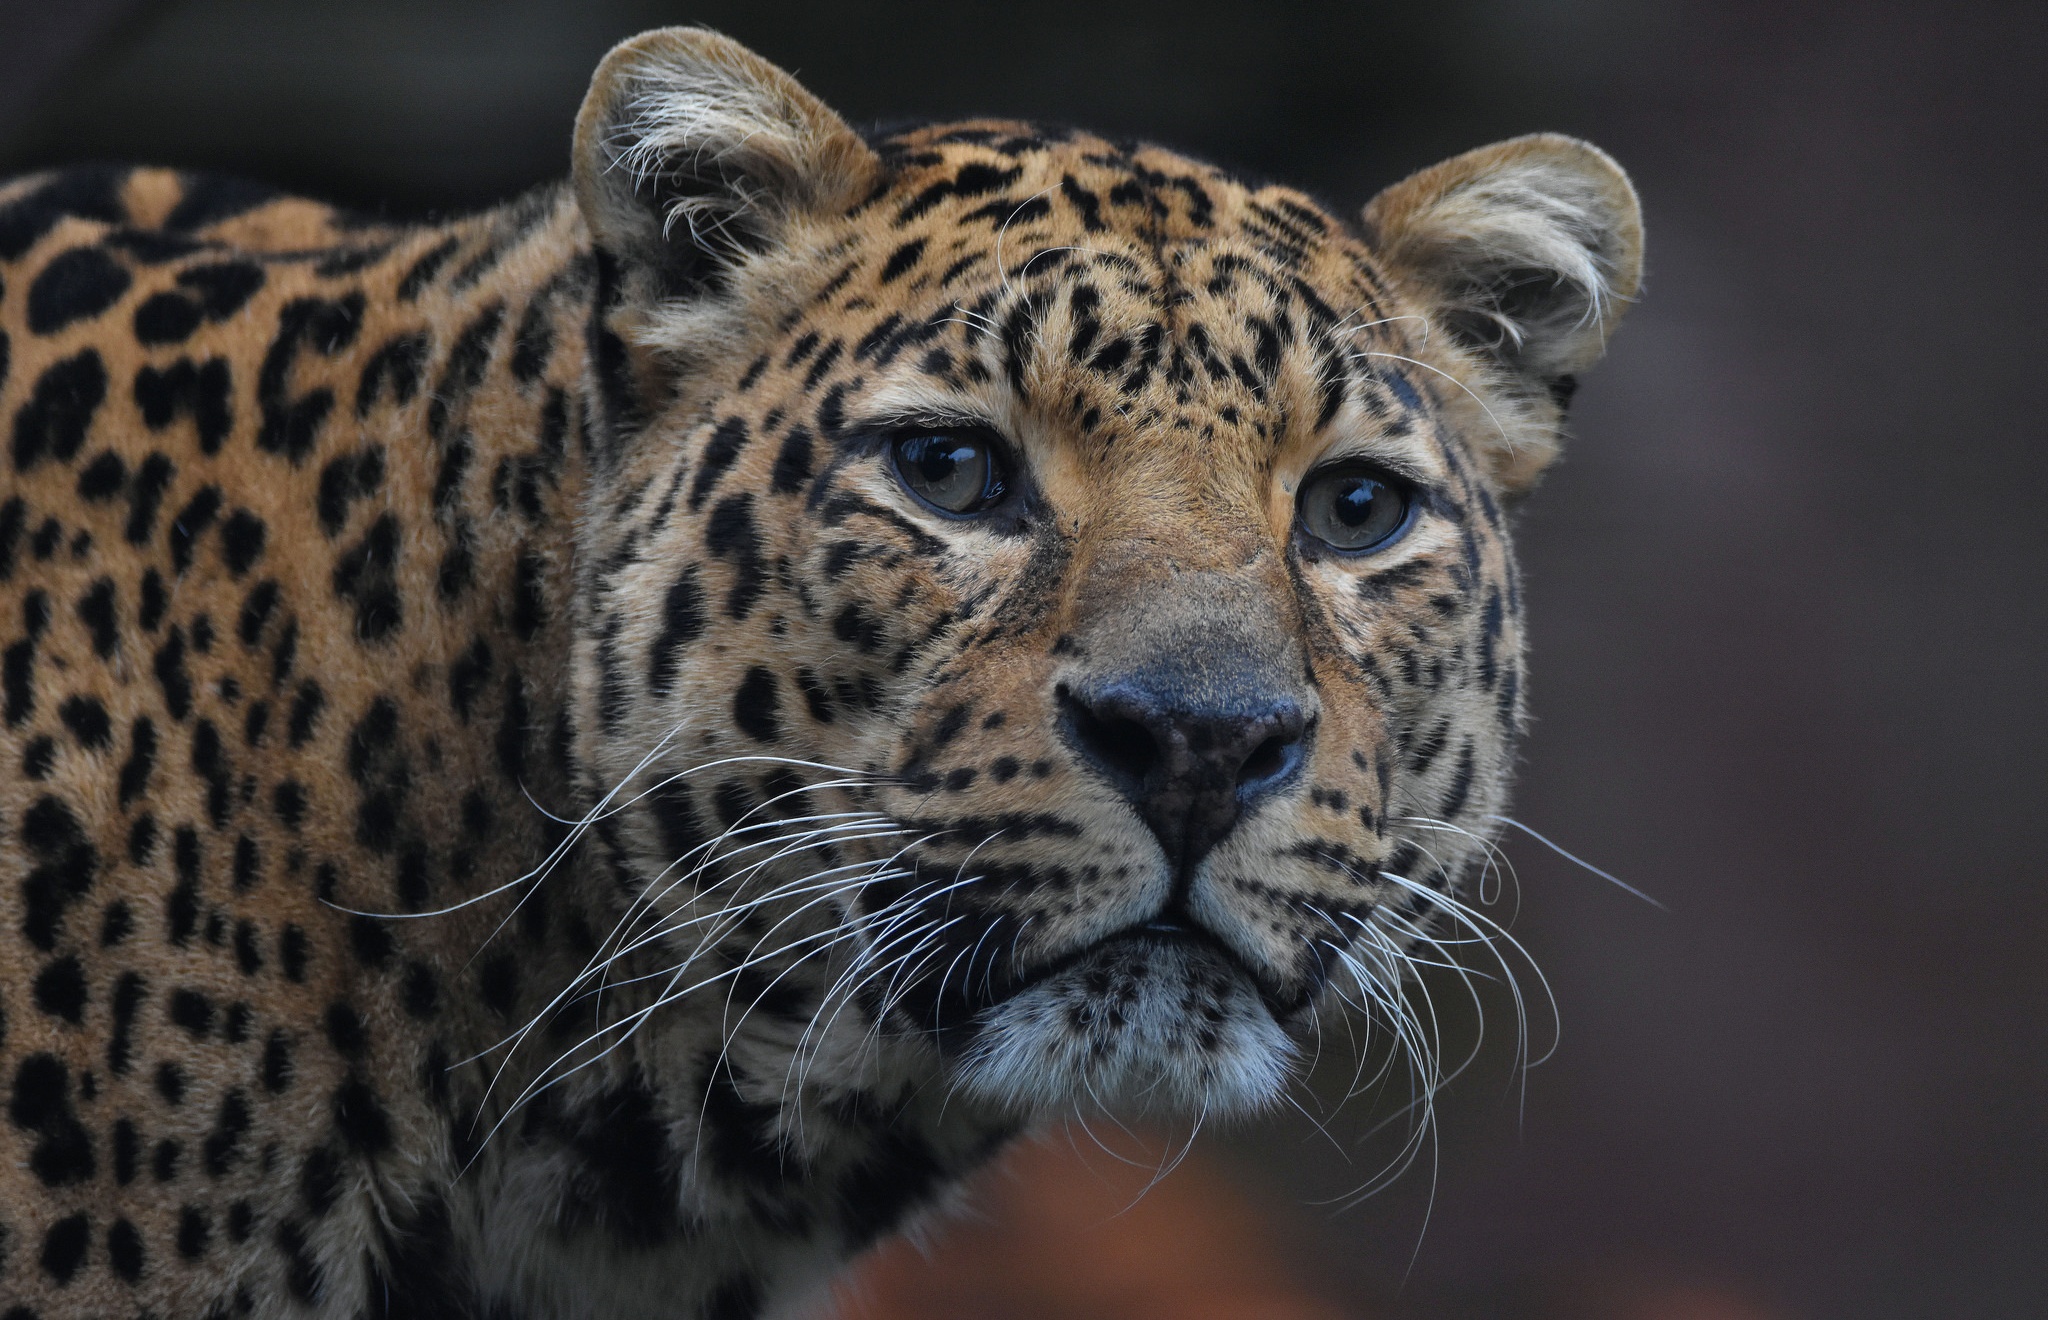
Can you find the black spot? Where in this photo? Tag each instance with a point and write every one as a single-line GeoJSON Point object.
{"type": "Point", "coordinates": [194, 1231]}
{"type": "Point", "coordinates": [498, 979]}
{"type": "Point", "coordinates": [429, 264]}
{"type": "Point", "coordinates": [127, 1151]}
{"type": "Point", "coordinates": [60, 989]}
{"type": "Point", "coordinates": [193, 1011]}
{"type": "Point", "coordinates": [128, 993]}
{"type": "Point", "coordinates": [854, 624]}
{"type": "Point", "coordinates": [399, 364]}
{"type": "Point", "coordinates": [731, 535]}
{"type": "Point", "coordinates": [241, 541]}
{"type": "Point", "coordinates": [320, 1179]}
{"type": "Point", "coordinates": [257, 608]}
{"type": "Point", "coordinates": [288, 800]}
{"type": "Point", "coordinates": [290, 425]}
{"type": "Point", "coordinates": [145, 496]}
{"type": "Point", "coordinates": [223, 286]}
{"type": "Point", "coordinates": [529, 605]}
{"type": "Point", "coordinates": [902, 259]}
{"type": "Point", "coordinates": [102, 478]}
{"type": "Point", "coordinates": [302, 1273]}
{"type": "Point", "coordinates": [793, 462]}
{"type": "Point", "coordinates": [172, 676]}
{"type": "Point", "coordinates": [285, 651]}
{"type": "Point", "coordinates": [142, 840]}
{"type": "Point", "coordinates": [755, 707]}
{"type": "Point", "coordinates": [210, 199]}
{"type": "Point", "coordinates": [39, 758]}
{"type": "Point", "coordinates": [124, 1251]}
{"type": "Point", "coordinates": [367, 574]}
{"type": "Point", "coordinates": [533, 341]}
{"type": "Point", "coordinates": [720, 451]}
{"type": "Point", "coordinates": [53, 423]}
{"type": "Point", "coordinates": [305, 716]}
{"type": "Point", "coordinates": [371, 940]}
{"type": "Point", "coordinates": [76, 285]}
{"type": "Point", "coordinates": [682, 622]}
{"type": "Point", "coordinates": [628, 1186]}
{"type": "Point", "coordinates": [88, 722]}
{"type": "Point", "coordinates": [1461, 783]}
{"type": "Point", "coordinates": [210, 764]}
{"type": "Point", "coordinates": [191, 522]}
{"type": "Point", "coordinates": [166, 318]}
{"type": "Point", "coordinates": [466, 677]}
{"type": "Point", "coordinates": [345, 1030]}
{"type": "Point", "coordinates": [421, 991]}
{"type": "Point", "coordinates": [222, 1146]}
{"type": "Point", "coordinates": [181, 906]}
{"type": "Point", "coordinates": [345, 480]}
{"type": "Point", "coordinates": [17, 665]}
{"type": "Point", "coordinates": [512, 731]}
{"type": "Point", "coordinates": [275, 1069]}
{"type": "Point", "coordinates": [64, 870]}
{"type": "Point", "coordinates": [360, 1118]}
{"type": "Point", "coordinates": [464, 369]}
{"type": "Point", "coordinates": [13, 523]}
{"type": "Point", "coordinates": [202, 391]}
{"type": "Point", "coordinates": [96, 612]}
{"type": "Point", "coordinates": [41, 1103]}
{"type": "Point", "coordinates": [64, 1247]}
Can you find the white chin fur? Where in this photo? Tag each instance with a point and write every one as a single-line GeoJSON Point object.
{"type": "Point", "coordinates": [1132, 1028]}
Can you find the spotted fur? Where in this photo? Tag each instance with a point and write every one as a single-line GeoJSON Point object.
{"type": "Point", "coordinates": [510, 810]}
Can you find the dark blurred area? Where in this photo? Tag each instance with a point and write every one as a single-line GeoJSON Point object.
{"type": "Point", "coordinates": [1786, 589]}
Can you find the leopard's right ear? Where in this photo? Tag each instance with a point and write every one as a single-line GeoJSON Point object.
{"type": "Point", "coordinates": [692, 152]}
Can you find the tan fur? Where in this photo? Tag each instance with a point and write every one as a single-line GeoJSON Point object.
{"type": "Point", "coordinates": [597, 523]}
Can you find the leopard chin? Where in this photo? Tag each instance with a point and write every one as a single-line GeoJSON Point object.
{"type": "Point", "coordinates": [1143, 1023]}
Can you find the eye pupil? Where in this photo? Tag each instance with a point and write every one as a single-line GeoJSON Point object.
{"type": "Point", "coordinates": [956, 474]}
{"type": "Point", "coordinates": [1352, 510]}
{"type": "Point", "coordinates": [1355, 500]}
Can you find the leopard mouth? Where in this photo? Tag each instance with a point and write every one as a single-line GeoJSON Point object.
{"type": "Point", "coordinates": [955, 1005]}
{"type": "Point", "coordinates": [1159, 1018]}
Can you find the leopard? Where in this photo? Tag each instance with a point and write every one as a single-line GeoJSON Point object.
{"type": "Point", "coordinates": [598, 758]}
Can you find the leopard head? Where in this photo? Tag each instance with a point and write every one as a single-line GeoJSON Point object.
{"type": "Point", "coordinates": [1042, 598]}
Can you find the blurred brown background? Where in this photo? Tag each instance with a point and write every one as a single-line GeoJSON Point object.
{"type": "Point", "coordinates": [1787, 599]}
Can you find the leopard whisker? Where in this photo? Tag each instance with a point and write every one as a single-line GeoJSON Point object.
{"type": "Point", "coordinates": [1614, 880]}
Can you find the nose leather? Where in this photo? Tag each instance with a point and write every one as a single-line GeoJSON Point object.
{"type": "Point", "coordinates": [1189, 767]}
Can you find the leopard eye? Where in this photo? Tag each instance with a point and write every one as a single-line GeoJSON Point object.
{"type": "Point", "coordinates": [958, 473]}
{"type": "Point", "coordinates": [1354, 509]}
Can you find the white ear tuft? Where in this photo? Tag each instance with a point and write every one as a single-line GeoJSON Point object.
{"type": "Point", "coordinates": [691, 150]}
{"type": "Point", "coordinates": [1528, 250]}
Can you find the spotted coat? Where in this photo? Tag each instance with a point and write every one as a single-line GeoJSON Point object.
{"type": "Point", "coordinates": [511, 808]}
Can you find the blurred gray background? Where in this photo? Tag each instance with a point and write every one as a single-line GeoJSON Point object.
{"type": "Point", "coordinates": [1787, 588]}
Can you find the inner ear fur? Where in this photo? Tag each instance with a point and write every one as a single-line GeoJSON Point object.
{"type": "Point", "coordinates": [1526, 252]}
{"type": "Point", "coordinates": [692, 152]}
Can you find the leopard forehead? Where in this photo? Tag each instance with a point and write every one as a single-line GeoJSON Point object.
{"type": "Point", "coordinates": [1071, 290]}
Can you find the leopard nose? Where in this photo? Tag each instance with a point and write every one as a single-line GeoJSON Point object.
{"type": "Point", "coordinates": [1190, 768]}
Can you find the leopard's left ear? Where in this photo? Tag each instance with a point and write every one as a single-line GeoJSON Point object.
{"type": "Point", "coordinates": [1527, 252]}
{"type": "Point", "coordinates": [692, 152]}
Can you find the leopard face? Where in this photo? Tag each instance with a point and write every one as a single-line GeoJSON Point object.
{"type": "Point", "coordinates": [1047, 599]}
